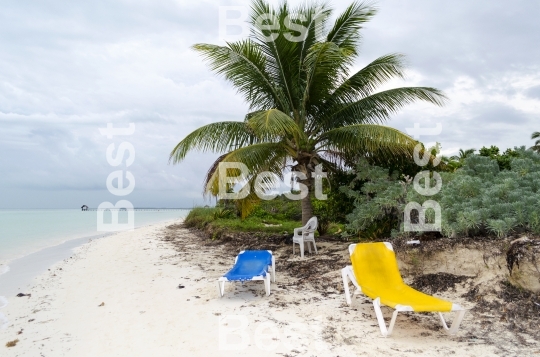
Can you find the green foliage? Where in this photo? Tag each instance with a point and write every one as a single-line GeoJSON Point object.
{"type": "Point", "coordinates": [306, 105]}
{"type": "Point", "coordinates": [379, 229]}
{"type": "Point", "coordinates": [337, 205]}
{"type": "Point", "coordinates": [480, 198]}
{"type": "Point", "coordinates": [199, 217]}
{"type": "Point", "coordinates": [503, 160]}
{"type": "Point", "coordinates": [280, 208]}
{"type": "Point", "coordinates": [223, 213]}
{"type": "Point", "coordinates": [536, 146]}
{"type": "Point", "coordinates": [254, 224]}
{"type": "Point", "coordinates": [335, 229]}
{"type": "Point", "coordinates": [330, 213]}
{"type": "Point", "coordinates": [322, 210]}
{"type": "Point", "coordinates": [219, 221]}
{"type": "Point", "coordinates": [379, 204]}
{"type": "Point", "coordinates": [455, 162]}
{"type": "Point", "coordinates": [227, 205]}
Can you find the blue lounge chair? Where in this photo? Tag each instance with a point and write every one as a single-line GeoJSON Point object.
{"type": "Point", "coordinates": [251, 265]}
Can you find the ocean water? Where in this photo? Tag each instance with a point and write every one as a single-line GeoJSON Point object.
{"type": "Point", "coordinates": [26, 231]}
{"type": "Point", "coordinates": [33, 240]}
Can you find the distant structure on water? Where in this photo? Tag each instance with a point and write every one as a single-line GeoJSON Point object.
{"type": "Point", "coordinates": [86, 208]}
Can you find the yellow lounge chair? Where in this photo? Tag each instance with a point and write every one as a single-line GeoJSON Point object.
{"type": "Point", "coordinates": [375, 273]}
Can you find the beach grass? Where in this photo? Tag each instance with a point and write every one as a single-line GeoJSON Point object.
{"type": "Point", "coordinates": [219, 220]}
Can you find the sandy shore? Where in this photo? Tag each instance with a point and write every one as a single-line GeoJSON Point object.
{"type": "Point", "coordinates": [120, 296]}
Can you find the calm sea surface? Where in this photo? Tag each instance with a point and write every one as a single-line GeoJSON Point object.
{"type": "Point", "coordinates": [23, 232]}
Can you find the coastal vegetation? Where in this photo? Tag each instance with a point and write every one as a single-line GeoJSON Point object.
{"type": "Point", "coordinates": [307, 107]}
{"type": "Point", "coordinates": [481, 198]}
{"type": "Point", "coordinates": [490, 194]}
{"type": "Point", "coordinates": [536, 146]}
{"type": "Point", "coordinates": [309, 110]}
{"type": "Point", "coordinates": [277, 217]}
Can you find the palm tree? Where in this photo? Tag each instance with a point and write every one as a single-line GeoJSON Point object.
{"type": "Point", "coordinates": [305, 107]}
{"type": "Point", "coordinates": [456, 162]}
{"type": "Point", "coordinates": [536, 146]}
{"type": "Point", "coordinates": [462, 155]}
{"type": "Point", "coordinates": [451, 164]}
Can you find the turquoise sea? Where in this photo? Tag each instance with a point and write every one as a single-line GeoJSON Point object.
{"type": "Point", "coordinates": [26, 231]}
{"type": "Point", "coordinates": [33, 240]}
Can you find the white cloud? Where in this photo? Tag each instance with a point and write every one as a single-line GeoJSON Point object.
{"type": "Point", "coordinates": [67, 69]}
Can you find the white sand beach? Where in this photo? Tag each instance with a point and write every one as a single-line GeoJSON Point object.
{"type": "Point", "coordinates": [120, 296]}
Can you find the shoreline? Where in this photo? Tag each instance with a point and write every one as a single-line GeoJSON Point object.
{"type": "Point", "coordinates": [47, 289]}
{"type": "Point", "coordinates": [154, 291]}
{"type": "Point", "coordinates": [5, 262]}
{"type": "Point", "coordinates": [21, 271]}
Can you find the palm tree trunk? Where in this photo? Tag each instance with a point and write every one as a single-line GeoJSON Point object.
{"type": "Point", "coordinates": [307, 209]}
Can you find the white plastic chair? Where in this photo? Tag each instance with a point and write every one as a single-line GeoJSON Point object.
{"type": "Point", "coordinates": [305, 234]}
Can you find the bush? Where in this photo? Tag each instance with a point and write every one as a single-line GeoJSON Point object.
{"type": "Point", "coordinates": [322, 211]}
{"type": "Point", "coordinates": [379, 204]}
{"type": "Point", "coordinates": [503, 160]}
{"type": "Point", "coordinates": [280, 208]}
{"type": "Point", "coordinates": [479, 198]}
{"type": "Point", "coordinates": [199, 217]}
{"type": "Point", "coordinates": [220, 220]}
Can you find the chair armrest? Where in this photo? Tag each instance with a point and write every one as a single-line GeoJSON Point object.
{"type": "Point", "coordinates": [298, 231]}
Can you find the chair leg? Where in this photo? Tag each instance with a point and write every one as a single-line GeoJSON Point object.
{"type": "Point", "coordinates": [267, 284]}
{"type": "Point", "coordinates": [221, 288]}
{"type": "Point", "coordinates": [455, 324]}
{"type": "Point", "coordinates": [308, 246]}
{"type": "Point", "coordinates": [345, 278]}
{"type": "Point", "coordinates": [380, 318]}
{"type": "Point", "coordinates": [301, 244]}
{"type": "Point", "coordinates": [315, 246]}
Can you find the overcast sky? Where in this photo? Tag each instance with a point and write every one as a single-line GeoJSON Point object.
{"type": "Point", "coordinates": [69, 68]}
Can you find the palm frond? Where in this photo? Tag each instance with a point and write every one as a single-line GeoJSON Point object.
{"type": "Point", "coordinates": [278, 50]}
{"type": "Point", "coordinates": [378, 107]}
{"type": "Point", "coordinates": [346, 30]}
{"type": "Point", "coordinates": [273, 124]}
{"type": "Point", "coordinates": [367, 139]}
{"type": "Point", "coordinates": [210, 173]}
{"type": "Point", "coordinates": [215, 137]}
{"type": "Point", "coordinates": [536, 146]}
{"type": "Point", "coordinates": [247, 204]}
{"type": "Point", "coordinates": [316, 17]}
{"type": "Point", "coordinates": [245, 66]}
{"type": "Point", "coordinates": [364, 82]}
{"type": "Point", "coordinates": [257, 158]}
{"type": "Point", "coordinates": [326, 66]}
